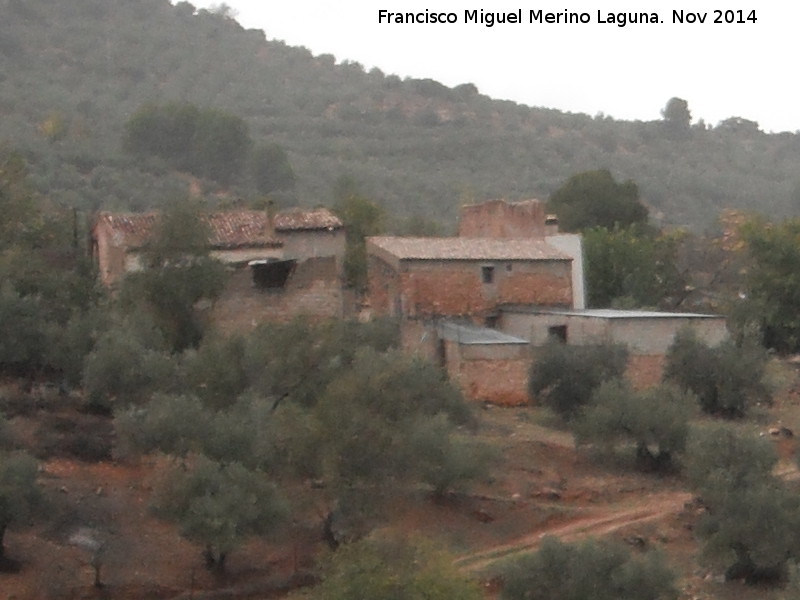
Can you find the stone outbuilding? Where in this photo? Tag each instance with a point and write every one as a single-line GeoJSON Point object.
{"type": "Point", "coordinates": [646, 334]}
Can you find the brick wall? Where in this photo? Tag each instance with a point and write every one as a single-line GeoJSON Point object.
{"type": "Point", "coordinates": [456, 288]}
{"type": "Point", "coordinates": [503, 382]}
{"type": "Point", "coordinates": [645, 371]}
{"type": "Point", "coordinates": [501, 219]}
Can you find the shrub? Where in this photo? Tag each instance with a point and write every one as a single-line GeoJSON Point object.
{"type": "Point", "coordinates": [654, 422]}
{"type": "Point", "coordinates": [596, 570]}
{"type": "Point", "coordinates": [564, 377]}
{"type": "Point", "coordinates": [751, 524]}
{"type": "Point", "coordinates": [726, 379]}
{"type": "Point", "coordinates": [394, 568]}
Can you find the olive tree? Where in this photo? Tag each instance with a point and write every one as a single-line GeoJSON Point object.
{"type": "Point", "coordinates": [727, 379]}
{"type": "Point", "coordinates": [654, 422]}
{"type": "Point", "coordinates": [596, 570]}
{"type": "Point", "coordinates": [19, 495]}
{"type": "Point", "coordinates": [751, 523]}
{"type": "Point", "coordinates": [219, 505]}
{"type": "Point", "coordinates": [564, 377]}
{"type": "Point", "coordinates": [386, 567]}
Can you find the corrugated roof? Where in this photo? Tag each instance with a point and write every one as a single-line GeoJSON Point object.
{"type": "Point", "coordinates": [296, 219]}
{"type": "Point", "coordinates": [457, 248]}
{"type": "Point", "coordinates": [471, 334]}
{"type": "Point", "coordinates": [231, 229]}
{"type": "Point", "coordinates": [608, 313]}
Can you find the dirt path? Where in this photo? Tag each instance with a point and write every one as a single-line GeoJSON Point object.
{"type": "Point", "coordinates": [650, 508]}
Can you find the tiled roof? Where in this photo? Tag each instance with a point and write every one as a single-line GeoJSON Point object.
{"type": "Point", "coordinates": [455, 248]}
{"type": "Point", "coordinates": [240, 229]}
{"type": "Point", "coordinates": [295, 219]}
{"type": "Point", "coordinates": [232, 229]}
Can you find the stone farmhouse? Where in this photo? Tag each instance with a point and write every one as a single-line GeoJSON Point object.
{"type": "Point", "coordinates": [281, 266]}
{"type": "Point", "coordinates": [482, 304]}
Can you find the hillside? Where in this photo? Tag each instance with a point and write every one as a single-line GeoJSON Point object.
{"type": "Point", "coordinates": [72, 73]}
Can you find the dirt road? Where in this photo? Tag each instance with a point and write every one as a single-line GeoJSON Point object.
{"type": "Point", "coordinates": [602, 522]}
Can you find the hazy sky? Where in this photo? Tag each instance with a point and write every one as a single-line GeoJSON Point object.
{"type": "Point", "coordinates": [722, 70]}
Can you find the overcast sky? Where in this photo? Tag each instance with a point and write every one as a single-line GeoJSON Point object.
{"type": "Point", "coordinates": [747, 70]}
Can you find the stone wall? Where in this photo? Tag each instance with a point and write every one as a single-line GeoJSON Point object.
{"type": "Point", "coordinates": [494, 373]}
{"type": "Point", "coordinates": [645, 371]}
{"type": "Point", "coordinates": [314, 289]}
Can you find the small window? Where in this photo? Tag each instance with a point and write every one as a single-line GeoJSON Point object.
{"type": "Point", "coordinates": [491, 321]}
{"type": "Point", "coordinates": [271, 274]}
{"type": "Point", "coordinates": [487, 274]}
{"type": "Point", "coordinates": [558, 333]}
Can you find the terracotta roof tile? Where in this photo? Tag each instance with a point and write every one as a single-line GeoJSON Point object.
{"type": "Point", "coordinates": [232, 229]}
{"type": "Point", "coordinates": [295, 219]}
{"type": "Point", "coordinates": [241, 228]}
{"type": "Point", "coordinates": [454, 248]}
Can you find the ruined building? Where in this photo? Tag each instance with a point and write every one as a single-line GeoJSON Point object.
{"type": "Point", "coordinates": [280, 266]}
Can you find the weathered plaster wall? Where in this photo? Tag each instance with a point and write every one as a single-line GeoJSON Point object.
{"type": "Point", "coordinates": [313, 243]}
{"type": "Point", "coordinates": [642, 335]}
{"type": "Point", "coordinates": [110, 257]}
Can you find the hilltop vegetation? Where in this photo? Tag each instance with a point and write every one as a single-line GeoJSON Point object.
{"type": "Point", "coordinates": [72, 74]}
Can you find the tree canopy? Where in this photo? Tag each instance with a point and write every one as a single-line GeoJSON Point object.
{"type": "Point", "coordinates": [203, 141]}
{"type": "Point", "coordinates": [592, 569]}
{"type": "Point", "coordinates": [751, 522]}
{"type": "Point", "coordinates": [727, 379]}
{"type": "Point", "coordinates": [655, 422]}
{"type": "Point", "coordinates": [676, 115]}
{"type": "Point", "coordinates": [390, 567]}
{"type": "Point", "coordinates": [565, 377]}
{"type": "Point", "coordinates": [773, 282]}
{"type": "Point", "coordinates": [596, 199]}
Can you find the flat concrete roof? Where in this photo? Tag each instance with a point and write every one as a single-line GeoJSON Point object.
{"type": "Point", "coordinates": [609, 313]}
{"type": "Point", "coordinates": [471, 334]}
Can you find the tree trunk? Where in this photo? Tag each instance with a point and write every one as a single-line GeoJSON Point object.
{"type": "Point", "coordinates": [328, 534]}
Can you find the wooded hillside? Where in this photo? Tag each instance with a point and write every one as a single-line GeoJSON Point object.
{"type": "Point", "coordinates": [73, 73]}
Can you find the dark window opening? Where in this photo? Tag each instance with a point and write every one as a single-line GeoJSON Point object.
{"type": "Point", "coordinates": [441, 353]}
{"type": "Point", "coordinates": [271, 273]}
{"type": "Point", "coordinates": [487, 274]}
{"type": "Point", "coordinates": [491, 321]}
{"type": "Point", "coordinates": [558, 333]}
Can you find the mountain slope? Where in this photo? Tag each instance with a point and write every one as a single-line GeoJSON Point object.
{"type": "Point", "coordinates": [72, 73]}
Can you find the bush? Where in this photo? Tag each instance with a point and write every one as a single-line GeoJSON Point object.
{"type": "Point", "coordinates": [121, 370]}
{"type": "Point", "coordinates": [752, 522]}
{"type": "Point", "coordinates": [596, 570]}
{"type": "Point", "coordinates": [219, 505]}
{"type": "Point", "coordinates": [564, 377]}
{"type": "Point", "coordinates": [654, 422]}
{"type": "Point", "coordinates": [396, 569]}
{"type": "Point", "coordinates": [726, 379]}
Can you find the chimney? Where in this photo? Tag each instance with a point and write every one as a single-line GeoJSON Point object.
{"type": "Point", "coordinates": [551, 225]}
